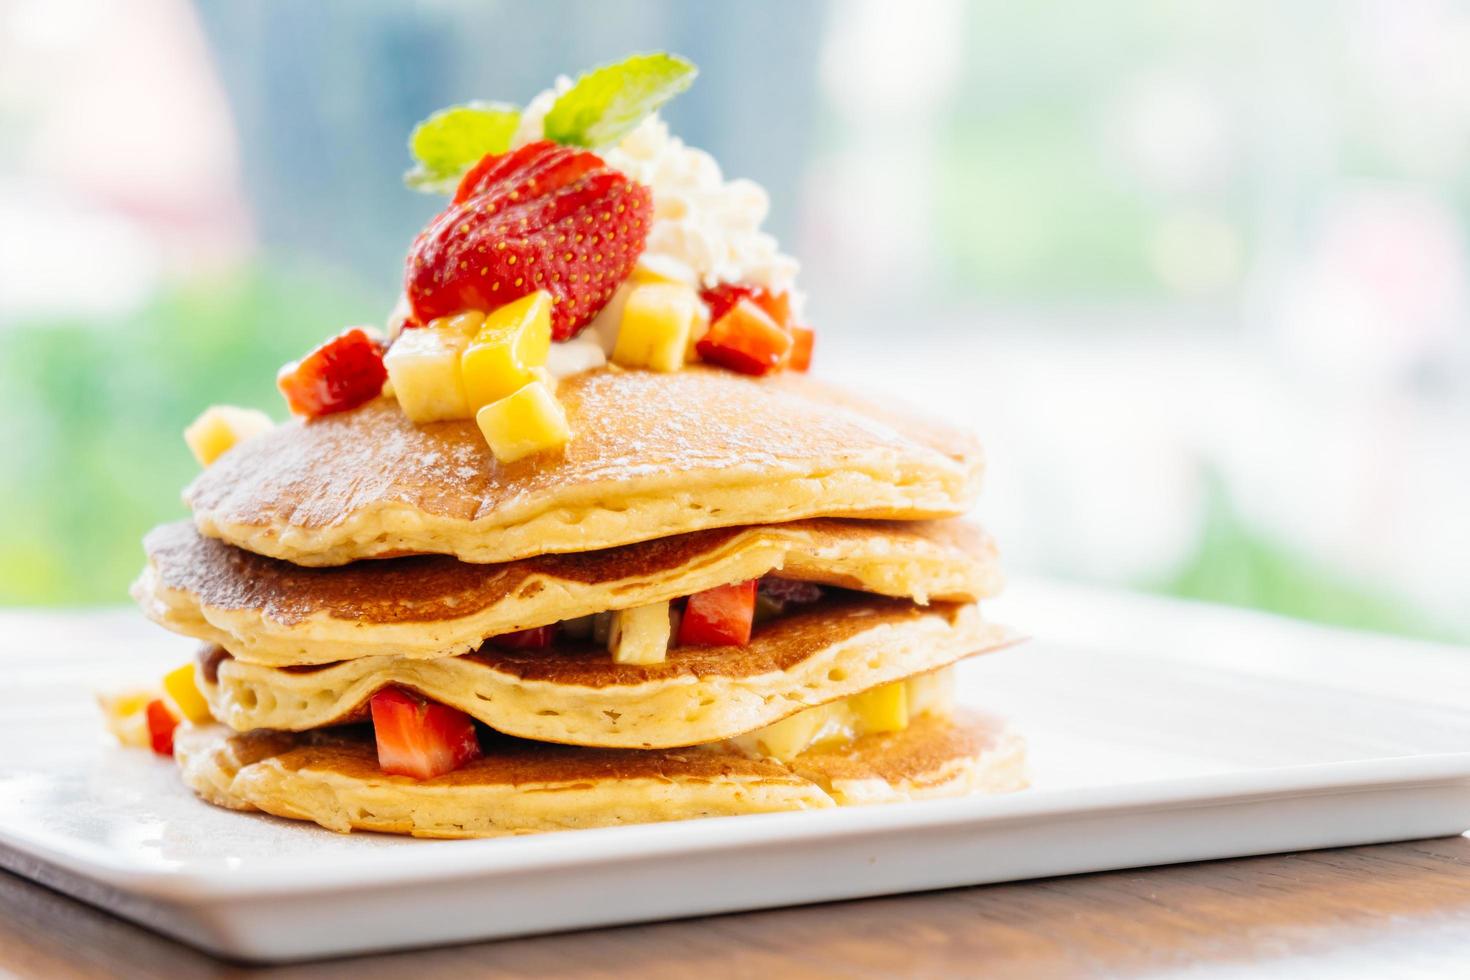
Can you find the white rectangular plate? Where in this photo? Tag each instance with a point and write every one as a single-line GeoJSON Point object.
{"type": "Point", "coordinates": [1159, 732]}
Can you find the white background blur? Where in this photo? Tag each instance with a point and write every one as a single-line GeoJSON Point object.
{"type": "Point", "coordinates": [1196, 271]}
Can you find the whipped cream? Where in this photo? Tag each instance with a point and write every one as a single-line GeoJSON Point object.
{"type": "Point", "coordinates": [701, 221]}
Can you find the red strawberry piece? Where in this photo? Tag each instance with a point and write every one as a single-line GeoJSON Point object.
{"type": "Point", "coordinates": [535, 638]}
{"type": "Point", "coordinates": [342, 373]}
{"type": "Point", "coordinates": [745, 339]}
{"type": "Point", "coordinates": [540, 217]}
{"type": "Point", "coordinates": [721, 616]}
{"type": "Point", "coordinates": [161, 725]}
{"type": "Point", "coordinates": [799, 358]}
{"type": "Point", "coordinates": [419, 738]}
{"type": "Point", "coordinates": [720, 299]}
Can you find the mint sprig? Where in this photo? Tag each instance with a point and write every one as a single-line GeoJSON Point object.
{"type": "Point", "coordinates": [453, 140]}
{"type": "Point", "coordinates": [600, 108]}
{"type": "Point", "coordinates": [609, 102]}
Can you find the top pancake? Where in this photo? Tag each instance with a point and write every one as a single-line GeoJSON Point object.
{"type": "Point", "coordinates": [651, 455]}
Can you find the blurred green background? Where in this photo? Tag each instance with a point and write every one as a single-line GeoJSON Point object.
{"type": "Point", "coordinates": [1196, 271]}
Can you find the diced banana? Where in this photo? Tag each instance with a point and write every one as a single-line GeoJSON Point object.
{"type": "Point", "coordinates": [931, 693]}
{"type": "Point", "coordinates": [181, 689]}
{"type": "Point", "coordinates": [124, 713]}
{"type": "Point", "coordinates": [789, 737]}
{"type": "Point", "coordinates": [423, 368]}
{"type": "Point", "coordinates": [640, 635]}
{"type": "Point", "coordinates": [654, 332]}
{"type": "Point", "coordinates": [510, 343]}
{"type": "Point", "coordinates": [220, 427]}
{"type": "Point", "coordinates": [529, 421]}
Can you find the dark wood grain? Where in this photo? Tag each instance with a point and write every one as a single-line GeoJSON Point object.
{"type": "Point", "coordinates": [1371, 911]}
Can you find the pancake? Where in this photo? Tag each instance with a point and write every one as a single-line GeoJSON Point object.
{"type": "Point", "coordinates": [528, 787]}
{"type": "Point", "coordinates": [579, 696]}
{"type": "Point", "coordinates": [272, 612]}
{"type": "Point", "coordinates": [653, 455]}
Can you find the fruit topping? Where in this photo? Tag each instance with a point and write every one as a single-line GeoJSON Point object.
{"type": "Point", "coordinates": [161, 725]}
{"type": "Point", "coordinates": [526, 422]}
{"type": "Point", "coordinates": [424, 367]}
{"type": "Point", "coordinates": [540, 217]}
{"type": "Point", "coordinates": [447, 143]}
{"type": "Point", "coordinates": [663, 268]}
{"type": "Point", "coordinates": [746, 339]}
{"type": "Point", "coordinates": [181, 689]}
{"type": "Point", "coordinates": [657, 320]}
{"type": "Point", "coordinates": [219, 427]}
{"type": "Point", "coordinates": [341, 374]}
{"type": "Point", "coordinates": [419, 738]}
{"type": "Point", "coordinates": [799, 358]}
{"type": "Point", "coordinates": [125, 715]}
{"type": "Point", "coordinates": [535, 638]}
{"type": "Point", "coordinates": [608, 102]}
{"type": "Point", "coordinates": [882, 709]}
{"type": "Point", "coordinates": [721, 299]}
{"type": "Point", "coordinates": [510, 344]}
{"type": "Point", "coordinates": [640, 635]}
{"type": "Point", "coordinates": [721, 616]}
{"type": "Point", "coordinates": [790, 592]}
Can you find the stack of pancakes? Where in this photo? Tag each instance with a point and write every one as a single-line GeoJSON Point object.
{"type": "Point", "coordinates": [331, 558]}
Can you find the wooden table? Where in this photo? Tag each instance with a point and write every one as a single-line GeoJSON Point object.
{"type": "Point", "coordinates": [1393, 909]}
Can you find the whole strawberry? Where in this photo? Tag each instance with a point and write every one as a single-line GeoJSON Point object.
{"type": "Point", "coordinates": [543, 216]}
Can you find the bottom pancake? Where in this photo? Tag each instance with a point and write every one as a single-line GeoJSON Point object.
{"type": "Point", "coordinates": [522, 787]}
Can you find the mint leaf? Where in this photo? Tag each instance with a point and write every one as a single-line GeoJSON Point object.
{"type": "Point", "coordinates": [453, 140]}
{"type": "Point", "coordinates": [607, 103]}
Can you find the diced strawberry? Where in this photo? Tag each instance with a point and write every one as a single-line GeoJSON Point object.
{"type": "Point", "coordinates": [799, 358]}
{"type": "Point", "coordinates": [161, 725]}
{"type": "Point", "coordinates": [539, 217]}
{"type": "Point", "coordinates": [419, 738]}
{"type": "Point", "coordinates": [721, 298]}
{"type": "Point", "coordinates": [342, 373]}
{"type": "Point", "coordinates": [745, 339]}
{"type": "Point", "coordinates": [535, 638]}
{"type": "Point", "coordinates": [719, 617]}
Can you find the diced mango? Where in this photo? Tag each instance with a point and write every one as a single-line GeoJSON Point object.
{"type": "Point", "coordinates": [220, 427]}
{"type": "Point", "coordinates": [640, 635]}
{"type": "Point", "coordinates": [883, 709]}
{"type": "Point", "coordinates": [512, 341]}
{"type": "Point", "coordinates": [655, 328]}
{"type": "Point", "coordinates": [528, 421]}
{"type": "Point", "coordinates": [179, 685]}
{"type": "Point", "coordinates": [423, 368]}
{"type": "Point", "coordinates": [124, 713]}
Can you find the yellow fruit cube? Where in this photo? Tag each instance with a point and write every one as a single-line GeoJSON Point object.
{"type": "Point", "coordinates": [652, 267]}
{"type": "Point", "coordinates": [512, 341]}
{"type": "Point", "coordinates": [179, 685]}
{"type": "Point", "coordinates": [221, 426]}
{"type": "Point", "coordinates": [640, 635]}
{"type": "Point", "coordinates": [931, 692]}
{"type": "Point", "coordinates": [528, 421]}
{"type": "Point", "coordinates": [655, 329]}
{"type": "Point", "coordinates": [883, 709]}
{"type": "Point", "coordinates": [793, 735]}
{"type": "Point", "coordinates": [697, 329]}
{"type": "Point", "coordinates": [423, 368]}
{"type": "Point", "coordinates": [123, 712]}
